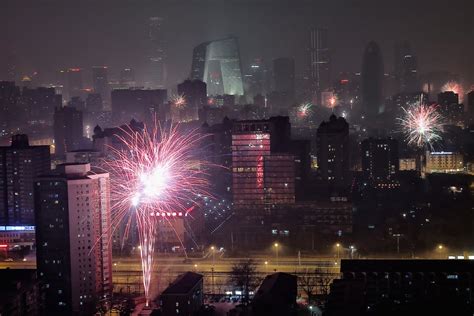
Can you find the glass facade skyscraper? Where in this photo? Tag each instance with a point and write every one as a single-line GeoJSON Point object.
{"type": "Point", "coordinates": [217, 63]}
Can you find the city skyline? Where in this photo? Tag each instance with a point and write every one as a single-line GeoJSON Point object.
{"type": "Point", "coordinates": [348, 34]}
{"type": "Point", "coordinates": [237, 157]}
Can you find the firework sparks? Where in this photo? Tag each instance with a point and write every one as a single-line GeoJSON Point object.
{"type": "Point", "coordinates": [421, 124]}
{"type": "Point", "coordinates": [157, 175]}
{"type": "Point", "coordinates": [454, 87]}
{"type": "Point", "coordinates": [304, 110]}
{"type": "Point", "coordinates": [179, 101]}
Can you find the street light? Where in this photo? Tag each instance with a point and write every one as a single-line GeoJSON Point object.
{"type": "Point", "coordinates": [276, 245]}
{"type": "Point", "coordinates": [266, 266]}
{"type": "Point", "coordinates": [338, 248]}
{"type": "Point", "coordinates": [212, 269]}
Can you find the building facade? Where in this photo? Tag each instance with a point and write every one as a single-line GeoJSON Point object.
{"type": "Point", "coordinates": [74, 255]}
{"type": "Point", "coordinates": [333, 151]}
{"type": "Point", "coordinates": [217, 63]}
{"type": "Point", "coordinates": [444, 162]}
{"type": "Point", "coordinates": [20, 163]}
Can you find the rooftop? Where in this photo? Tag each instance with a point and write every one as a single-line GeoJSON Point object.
{"type": "Point", "coordinates": [183, 284]}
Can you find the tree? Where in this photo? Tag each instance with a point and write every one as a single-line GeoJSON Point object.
{"type": "Point", "coordinates": [245, 277]}
{"type": "Point", "coordinates": [316, 282]}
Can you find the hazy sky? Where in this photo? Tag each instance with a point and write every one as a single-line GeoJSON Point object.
{"type": "Point", "coordinates": [47, 35]}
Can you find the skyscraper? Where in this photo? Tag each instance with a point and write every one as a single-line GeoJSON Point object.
{"type": "Point", "coordinates": [127, 78]}
{"type": "Point", "coordinates": [73, 255]}
{"type": "Point", "coordinates": [284, 75]}
{"type": "Point", "coordinates": [20, 163]}
{"type": "Point", "coordinates": [372, 82]}
{"type": "Point", "coordinates": [333, 151]}
{"type": "Point", "coordinates": [100, 83]}
{"type": "Point", "coordinates": [405, 68]}
{"type": "Point", "coordinates": [68, 129]}
{"type": "Point", "coordinates": [74, 82]}
{"type": "Point", "coordinates": [217, 63]}
{"type": "Point", "coordinates": [256, 79]}
{"type": "Point", "coordinates": [319, 60]}
{"type": "Point", "coordinates": [156, 71]}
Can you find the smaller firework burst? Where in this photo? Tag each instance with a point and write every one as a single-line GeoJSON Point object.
{"type": "Point", "coordinates": [304, 110]}
{"type": "Point", "coordinates": [179, 101]}
{"type": "Point", "coordinates": [454, 87]}
{"type": "Point", "coordinates": [421, 124]}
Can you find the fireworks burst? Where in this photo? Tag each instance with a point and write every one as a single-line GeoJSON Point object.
{"type": "Point", "coordinates": [179, 101]}
{"type": "Point", "coordinates": [421, 124]}
{"type": "Point", "coordinates": [156, 177]}
{"type": "Point", "coordinates": [454, 87]}
{"type": "Point", "coordinates": [304, 110]}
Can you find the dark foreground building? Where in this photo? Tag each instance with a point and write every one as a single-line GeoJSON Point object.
{"type": "Point", "coordinates": [403, 287]}
{"type": "Point", "coordinates": [184, 297]}
{"type": "Point", "coordinates": [20, 293]}
{"type": "Point", "coordinates": [276, 296]}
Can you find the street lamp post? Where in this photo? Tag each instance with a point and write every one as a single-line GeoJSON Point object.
{"type": "Point", "coordinates": [212, 269]}
{"type": "Point", "coordinates": [276, 245]}
{"type": "Point", "coordinates": [338, 248]}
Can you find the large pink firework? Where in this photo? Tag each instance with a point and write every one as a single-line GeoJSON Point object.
{"type": "Point", "coordinates": [154, 175]}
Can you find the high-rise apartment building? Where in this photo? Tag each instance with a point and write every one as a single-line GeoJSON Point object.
{"type": "Point", "coordinates": [9, 97]}
{"type": "Point", "coordinates": [73, 255]}
{"type": "Point", "coordinates": [380, 161]}
{"type": "Point", "coordinates": [20, 163]}
{"type": "Point", "coordinates": [39, 104]}
{"type": "Point", "coordinates": [333, 151]}
{"type": "Point", "coordinates": [194, 93]}
{"type": "Point", "coordinates": [450, 108]}
{"type": "Point", "coordinates": [217, 63]}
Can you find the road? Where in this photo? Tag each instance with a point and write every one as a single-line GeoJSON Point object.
{"type": "Point", "coordinates": [216, 271]}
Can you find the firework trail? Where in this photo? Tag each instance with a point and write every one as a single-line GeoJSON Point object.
{"type": "Point", "coordinates": [421, 124]}
{"type": "Point", "coordinates": [155, 175]}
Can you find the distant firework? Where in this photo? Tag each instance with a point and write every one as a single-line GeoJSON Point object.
{"type": "Point", "coordinates": [332, 101]}
{"type": "Point", "coordinates": [304, 110]}
{"type": "Point", "coordinates": [455, 87]}
{"type": "Point", "coordinates": [156, 177]}
{"type": "Point", "coordinates": [179, 101]}
{"type": "Point", "coordinates": [421, 124]}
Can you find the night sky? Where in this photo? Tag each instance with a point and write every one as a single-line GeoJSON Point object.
{"type": "Point", "coordinates": [48, 35]}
